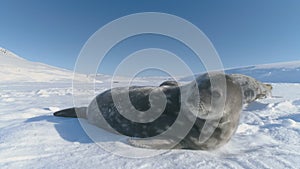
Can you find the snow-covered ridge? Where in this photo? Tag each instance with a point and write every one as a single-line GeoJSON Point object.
{"type": "Point", "coordinates": [288, 72]}
{"type": "Point", "coordinates": [17, 69]}
{"type": "Point", "coordinates": [284, 72]}
{"type": "Point", "coordinates": [5, 52]}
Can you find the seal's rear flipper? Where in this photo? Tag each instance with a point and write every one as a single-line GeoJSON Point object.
{"type": "Point", "coordinates": [75, 112]}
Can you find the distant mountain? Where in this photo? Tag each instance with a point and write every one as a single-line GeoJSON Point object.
{"type": "Point", "coordinates": [288, 72]}
{"type": "Point", "coordinates": [16, 69]}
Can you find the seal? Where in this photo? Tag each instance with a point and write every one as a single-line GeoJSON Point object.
{"type": "Point", "coordinates": [107, 112]}
{"type": "Point", "coordinates": [252, 89]}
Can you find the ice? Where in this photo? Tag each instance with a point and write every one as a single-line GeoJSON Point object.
{"type": "Point", "coordinates": [31, 137]}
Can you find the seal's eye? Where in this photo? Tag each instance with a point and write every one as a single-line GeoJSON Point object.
{"type": "Point", "coordinates": [215, 94]}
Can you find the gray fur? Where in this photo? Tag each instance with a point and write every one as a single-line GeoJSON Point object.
{"type": "Point", "coordinates": [104, 112]}
{"type": "Point", "coordinates": [252, 89]}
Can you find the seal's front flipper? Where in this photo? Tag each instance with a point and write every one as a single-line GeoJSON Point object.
{"type": "Point", "coordinates": [75, 112]}
{"type": "Point", "coordinates": [154, 143]}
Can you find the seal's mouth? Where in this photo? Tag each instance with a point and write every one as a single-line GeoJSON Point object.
{"type": "Point", "coordinates": [202, 111]}
{"type": "Point", "coordinates": [208, 112]}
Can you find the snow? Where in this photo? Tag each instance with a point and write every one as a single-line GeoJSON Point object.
{"type": "Point", "coordinates": [288, 72]}
{"type": "Point", "coordinates": [15, 68]}
{"type": "Point", "coordinates": [31, 137]}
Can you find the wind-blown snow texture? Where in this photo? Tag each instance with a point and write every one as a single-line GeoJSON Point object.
{"type": "Point", "coordinates": [30, 137]}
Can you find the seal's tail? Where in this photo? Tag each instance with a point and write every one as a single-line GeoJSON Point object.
{"type": "Point", "coordinates": [75, 112]}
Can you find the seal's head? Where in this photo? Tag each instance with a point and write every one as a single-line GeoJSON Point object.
{"type": "Point", "coordinates": [211, 95]}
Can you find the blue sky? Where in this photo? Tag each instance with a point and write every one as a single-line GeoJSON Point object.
{"type": "Point", "coordinates": [243, 32]}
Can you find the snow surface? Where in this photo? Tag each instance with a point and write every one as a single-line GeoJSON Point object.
{"type": "Point", "coordinates": [288, 72]}
{"type": "Point", "coordinates": [31, 137]}
{"type": "Point", "coordinates": [17, 69]}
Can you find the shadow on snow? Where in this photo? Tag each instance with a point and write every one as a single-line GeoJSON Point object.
{"type": "Point", "coordinates": [68, 128]}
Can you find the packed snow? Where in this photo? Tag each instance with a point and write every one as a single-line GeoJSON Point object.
{"type": "Point", "coordinates": [31, 137]}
